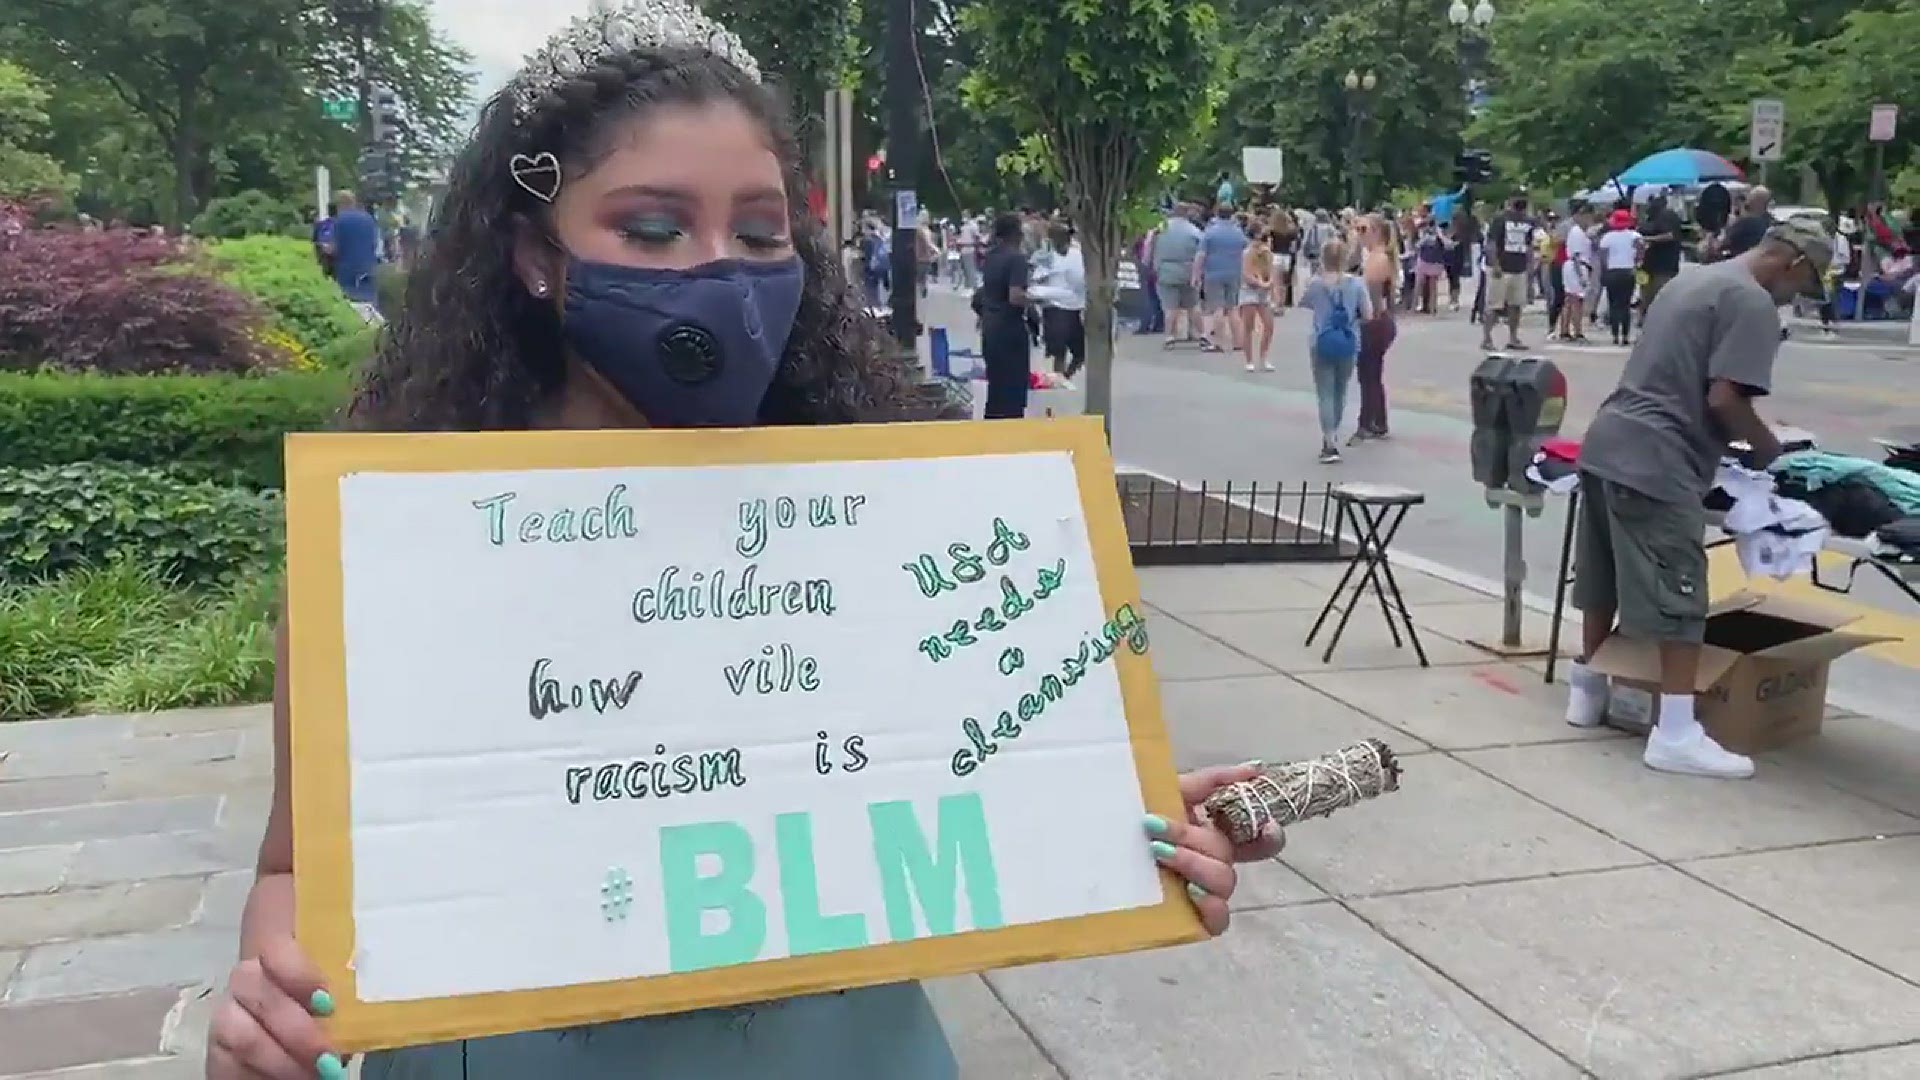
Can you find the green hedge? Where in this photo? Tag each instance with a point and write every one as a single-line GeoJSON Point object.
{"type": "Point", "coordinates": [350, 353]}
{"type": "Point", "coordinates": [203, 427]}
{"type": "Point", "coordinates": [61, 518]}
{"type": "Point", "coordinates": [283, 275]}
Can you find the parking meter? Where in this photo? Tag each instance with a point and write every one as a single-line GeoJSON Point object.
{"type": "Point", "coordinates": [1491, 448]}
{"type": "Point", "coordinates": [1535, 395]}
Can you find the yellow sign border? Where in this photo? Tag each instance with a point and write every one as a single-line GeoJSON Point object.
{"type": "Point", "coordinates": [323, 871]}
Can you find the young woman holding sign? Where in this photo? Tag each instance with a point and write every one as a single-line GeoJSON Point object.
{"type": "Point", "coordinates": [635, 184]}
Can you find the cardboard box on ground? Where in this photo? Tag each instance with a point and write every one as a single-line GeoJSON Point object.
{"type": "Point", "coordinates": [1763, 673]}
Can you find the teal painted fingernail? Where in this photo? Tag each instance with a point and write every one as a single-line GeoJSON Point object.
{"type": "Point", "coordinates": [1197, 892]}
{"type": "Point", "coordinates": [329, 1068]}
{"type": "Point", "coordinates": [320, 1004]}
{"type": "Point", "coordinates": [1162, 850]}
{"type": "Point", "coordinates": [1155, 825]}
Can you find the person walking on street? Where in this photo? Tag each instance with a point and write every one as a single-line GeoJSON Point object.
{"type": "Point", "coordinates": [1176, 255]}
{"type": "Point", "coordinates": [1339, 303]}
{"type": "Point", "coordinates": [1378, 271]}
{"type": "Point", "coordinates": [1222, 247]}
{"type": "Point", "coordinates": [1661, 230]}
{"type": "Point", "coordinates": [1061, 291]}
{"type": "Point", "coordinates": [1620, 248]}
{"type": "Point", "coordinates": [356, 255]}
{"type": "Point", "coordinates": [1001, 304]}
{"type": "Point", "coordinates": [1576, 275]}
{"type": "Point", "coordinates": [969, 244]}
{"type": "Point", "coordinates": [1647, 462]}
{"type": "Point", "coordinates": [1257, 297]}
{"type": "Point", "coordinates": [1510, 255]}
{"type": "Point", "coordinates": [1284, 237]}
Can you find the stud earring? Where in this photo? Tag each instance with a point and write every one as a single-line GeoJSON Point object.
{"type": "Point", "coordinates": [539, 288]}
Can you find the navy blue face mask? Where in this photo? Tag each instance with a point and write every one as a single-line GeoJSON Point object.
{"type": "Point", "coordinates": [688, 348]}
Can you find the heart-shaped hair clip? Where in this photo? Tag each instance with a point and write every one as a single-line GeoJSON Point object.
{"type": "Point", "coordinates": [538, 175]}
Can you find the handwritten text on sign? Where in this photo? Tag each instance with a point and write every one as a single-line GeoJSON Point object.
{"type": "Point", "coordinates": [613, 723]}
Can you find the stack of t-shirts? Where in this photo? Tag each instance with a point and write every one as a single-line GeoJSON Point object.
{"type": "Point", "coordinates": [1556, 466]}
{"type": "Point", "coordinates": [1773, 535]}
{"type": "Point", "coordinates": [1855, 495]}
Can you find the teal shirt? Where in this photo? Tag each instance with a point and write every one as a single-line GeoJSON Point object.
{"type": "Point", "coordinates": [881, 1033]}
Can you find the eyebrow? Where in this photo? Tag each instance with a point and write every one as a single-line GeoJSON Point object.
{"type": "Point", "coordinates": [675, 194]}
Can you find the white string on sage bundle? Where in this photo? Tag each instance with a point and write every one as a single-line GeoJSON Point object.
{"type": "Point", "coordinates": [1290, 793]}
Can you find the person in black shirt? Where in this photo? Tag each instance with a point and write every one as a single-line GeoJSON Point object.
{"type": "Point", "coordinates": [1747, 230]}
{"type": "Point", "coordinates": [1001, 304]}
{"type": "Point", "coordinates": [1661, 228]}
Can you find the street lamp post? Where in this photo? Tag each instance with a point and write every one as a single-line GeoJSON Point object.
{"type": "Point", "coordinates": [1360, 89]}
{"type": "Point", "coordinates": [1473, 24]}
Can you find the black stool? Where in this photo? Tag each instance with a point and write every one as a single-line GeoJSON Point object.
{"type": "Point", "coordinates": [1374, 512]}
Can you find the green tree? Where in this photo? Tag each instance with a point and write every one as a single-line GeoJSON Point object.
{"type": "Point", "coordinates": [26, 172]}
{"type": "Point", "coordinates": [1109, 86]}
{"type": "Point", "coordinates": [806, 46]}
{"type": "Point", "coordinates": [225, 86]}
{"type": "Point", "coordinates": [1287, 89]}
{"type": "Point", "coordinates": [1829, 85]}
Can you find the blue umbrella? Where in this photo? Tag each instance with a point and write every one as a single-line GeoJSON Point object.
{"type": "Point", "coordinates": [1681, 167]}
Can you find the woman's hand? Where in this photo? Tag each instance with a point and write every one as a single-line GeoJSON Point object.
{"type": "Point", "coordinates": [265, 1028]}
{"type": "Point", "coordinates": [1201, 853]}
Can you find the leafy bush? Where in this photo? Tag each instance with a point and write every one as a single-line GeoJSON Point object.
{"type": "Point", "coordinates": [54, 638]}
{"type": "Point", "coordinates": [119, 638]}
{"type": "Point", "coordinates": [281, 273]}
{"type": "Point", "coordinates": [221, 653]}
{"type": "Point", "coordinates": [247, 214]}
{"type": "Point", "coordinates": [349, 353]}
{"type": "Point", "coordinates": [225, 428]}
{"type": "Point", "coordinates": [67, 517]}
{"type": "Point", "coordinates": [120, 302]}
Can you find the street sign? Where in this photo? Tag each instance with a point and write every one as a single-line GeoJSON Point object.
{"type": "Point", "coordinates": [341, 109]}
{"type": "Point", "coordinates": [1263, 164]}
{"type": "Point", "coordinates": [1881, 127]}
{"type": "Point", "coordinates": [1767, 132]}
{"type": "Point", "coordinates": [906, 210]}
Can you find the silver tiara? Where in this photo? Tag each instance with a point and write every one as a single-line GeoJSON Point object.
{"type": "Point", "coordinates": [611, 30]}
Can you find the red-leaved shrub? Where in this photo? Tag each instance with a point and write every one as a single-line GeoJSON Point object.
{"type": "Point", "coordinates": [118, 301]}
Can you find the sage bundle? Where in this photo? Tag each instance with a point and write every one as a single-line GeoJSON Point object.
{"type": "Point", "coordinates": [1286, 794]}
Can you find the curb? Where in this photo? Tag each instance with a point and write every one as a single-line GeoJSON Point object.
{"type": "Point", "coordinates": [1493, 590]}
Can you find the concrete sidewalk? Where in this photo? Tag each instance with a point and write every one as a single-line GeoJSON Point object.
{"type": "Point", "coordinates": [1533, 904]}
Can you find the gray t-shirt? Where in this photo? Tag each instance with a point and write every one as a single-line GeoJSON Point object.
{"type": "Point", "coordinates": [1175, 246]}
{"type": "Point", "coordinates": [1654, 434]}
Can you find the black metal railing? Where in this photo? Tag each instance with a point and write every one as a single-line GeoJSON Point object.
{"type": "Point", "coordinates": [1173, 523]}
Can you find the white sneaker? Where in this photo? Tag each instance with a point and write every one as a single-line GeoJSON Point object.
{"type": "Point", "coordinates": [1587, 699]}
{"type": "Point", "coordinates": [1249, 365]}
{"type": "Point", "coordinates": [1267, 366]}
{"type": "Point", "coordinates": [1697, 755]}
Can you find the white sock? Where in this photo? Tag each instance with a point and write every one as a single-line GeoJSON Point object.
{"type": "Point", "coordinates": [1677, 723]}
{"type": "Point", "coordinates": [1587, 692]}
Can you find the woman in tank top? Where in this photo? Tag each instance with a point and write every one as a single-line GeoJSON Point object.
{"type": "Point", "coordinates": [1256, 298]}
{"type": "Point", "coordinates": [1378, 269]}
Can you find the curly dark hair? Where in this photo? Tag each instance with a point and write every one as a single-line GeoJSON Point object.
{"type": "Point", "coordinates": [472, 351]}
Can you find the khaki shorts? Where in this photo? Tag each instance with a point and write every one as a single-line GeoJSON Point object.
{"type": "Point", "coordinates": [1506, 292]}
{"type": "Point", "coordinates": [1644, 558]}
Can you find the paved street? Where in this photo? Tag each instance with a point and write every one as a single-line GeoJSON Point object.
{"type": "Point", "coordinates": [1195, 416]}
{"type": "Point", "coordinates": [1533, 904]}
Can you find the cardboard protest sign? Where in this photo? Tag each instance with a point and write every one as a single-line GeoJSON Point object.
{"type": "Point", "coordinates": [589, 725]}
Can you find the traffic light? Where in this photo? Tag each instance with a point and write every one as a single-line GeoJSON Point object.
{"type": "Point", "coordinates": [386, 116]}
{"type": "Point", "coordinates": [376, 179]}
{"type": "Point", "coordinates": [1473, 167]}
